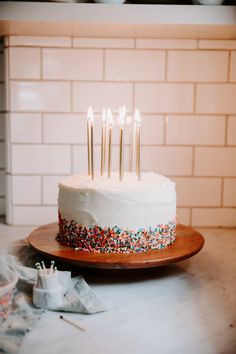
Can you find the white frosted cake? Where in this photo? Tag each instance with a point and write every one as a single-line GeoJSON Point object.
{"type": "Point", "coordinates": [107, 215]}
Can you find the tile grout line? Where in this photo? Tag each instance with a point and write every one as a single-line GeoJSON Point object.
{"type": "Point", "coordinates": [222, 192]}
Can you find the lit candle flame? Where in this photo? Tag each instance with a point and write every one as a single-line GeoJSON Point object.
{"type": "Point", "coordinates": [137, 117]}
{"type": "Point", "coordinates": [90, 115]}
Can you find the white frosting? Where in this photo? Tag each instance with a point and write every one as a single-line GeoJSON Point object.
{"type": "Point", "coordinates": [108, 202]}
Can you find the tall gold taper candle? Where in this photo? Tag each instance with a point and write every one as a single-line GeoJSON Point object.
{"type": "Point", "coordinates": [92, 150]}
{"type": "Point", "coordinates": [121, 121]}
{"type": "Point", "coordinates": [89, 114]}
{"type": "Point", "coordinates": [103, 142]}
{"type": "Point", "coordinates": [133, 152]}
{"type": "Point", "coordinates": [137, 119]}
{"type": "Point", "coordinates": [110, 118]}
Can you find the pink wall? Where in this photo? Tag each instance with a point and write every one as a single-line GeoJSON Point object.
{"type": "Point", "coordinates": [185, 90]}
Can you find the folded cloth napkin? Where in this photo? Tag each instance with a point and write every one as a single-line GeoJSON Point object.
{"type": "Point", "coordinates": [79, 297]}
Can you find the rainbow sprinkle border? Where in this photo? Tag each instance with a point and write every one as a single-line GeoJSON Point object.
{"type": "Point", "coordinates": [115, 239]}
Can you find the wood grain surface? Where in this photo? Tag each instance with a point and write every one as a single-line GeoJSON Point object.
{"type": "Point", "coordinates": [188, 242]}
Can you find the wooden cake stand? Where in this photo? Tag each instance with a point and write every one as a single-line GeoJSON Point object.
{"type": "Point", "coordinates": [188, 242]}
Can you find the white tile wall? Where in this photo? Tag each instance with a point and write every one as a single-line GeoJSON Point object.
{"type": "Point", "coordinates": [26, 190]}
{"type": "Point", "coordinates": [2, 96]}
{"type": "Point", "coordinates": [50, 189]}
{"type": "Point", "coordinates": [46, 96]}
{"type": "Point", "coordinates": [2, 183]}
{"type": "Point", "coordinates": [229, 190]}
{"type": "Point", "coordinates": [2, 155]}
{"type": "Point", "coordinates": [41, 159]}
{"type": "Point", "coordinates": [1, 67]}
{"type": "Point", "coordinates": [31, 59]}
{"type": "Point", "coordinates": [215, 161]}
{"type": "Point", "coordinates": [103, 42]}
{"type": "Point", "coordinates": [2, 132]}
{"type": "Point", "coordinates": [72, 64]}
{"type": "Point", "coordinates": [64, 128]}
{"type": "Point", "coordinates": [185, 90]}
{"type": "Point", "coordinates": [171, 161]}
{"type": "Point", "coordinates": [25, 127]}
{"type": "Point", "coordinates": [33, 215]}
{"type": "Point", "coordinates": [214, 217]}
{"type": "Point", "coordinates": [183, 216]}
{"type": "Point", "coordinates": [231, 131]}
{"type": "Point", "coordinates": [208, 191]}
{"type": "Point", "coordinates": [39, 41]}
{"type": "Point", "coordinates": [135, 65]}
{"type": "Point", "coordinates": [87, 94]}
{"type": "Point", "coordinates": [195, 130]}
{"type": "Point", "coordinates": [161, 43]}
{"type": "Point", "coordinates": [2, 126]}
{"type": "Point", "coordinates": [164, 98]}
{"type": "Point", "coordinates": [197, 66]}
{"type": "Point", "coordinates": [216, 99]}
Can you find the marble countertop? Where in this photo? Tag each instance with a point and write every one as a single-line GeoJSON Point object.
{"type": "Point", "coordinates": [186, 308]}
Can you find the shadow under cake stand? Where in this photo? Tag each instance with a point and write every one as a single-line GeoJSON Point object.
{"type": "Point", "coordinates": [188, 242]}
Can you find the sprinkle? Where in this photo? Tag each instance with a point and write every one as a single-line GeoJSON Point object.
{"type": "Point", "coordinates": [114, 239]}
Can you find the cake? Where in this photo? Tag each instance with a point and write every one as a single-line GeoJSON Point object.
{"type": "Point", "coordinates": [110, 216]}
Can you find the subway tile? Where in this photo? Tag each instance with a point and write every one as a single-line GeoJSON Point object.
{"type": "Point", "coordinates": [80, 164]}
{"type": "Point", "coordinates": [2, 205]}
{"type": "Point", "coordinates": [6, 80]}
{"type": "Point", "coordinates": [36, 159]}
{"type": "Point", "coordinates": [2, 183]}
{"type": "Point", "coordinates": [80, 161]}
{"type": "Point", "coordinates": [2, 126]}
{"type": "Point", "coordinates": [229, 195]}
{"type": "Point", "coordinates": [50, 189]}
{"type": "Point", "coordinates": [1, 67]}
{"type": "Point", "coordinates": [34, 215]}
{"type": "Point", "coordinates": [215, 161]}
{"type": "Point", "coordinates": [232, 75]}
{"type": "Point", "coordinates": [183, 216]}
{"type": "Point", "coordinates": [72, 129]}
{"type": "Point", "coordinates": [26, 190]}
{"type": "Point", "coordinates": [195, 130]}
{"type": "Point", "coordinates": [2, 154]}
{"type": "Point", "coordinates": [198, 191]}
{"type": "Point", "coordinates": [2, 97]}
{"type": "Point", "coordinates": [217, 44]}
{"type": "Point", "coordinates": [103, 42]}
{"type": "Point", "coordinates": [166, 43]}
{"type": "Point", "coordinates": [152, 131]}
{"type": "Point", "coordinates": [40, 96]}
{"type": "Point", "coordinates": [8, 205]}
{"type": "Point", "coordinates": [39, 41]}
{"type": "Point", "coordinates": [135, 65]}
{"type": "Point", "coordinates": [171, 161]}
{"type": "Point", "coordinates": [65, 128]}
{"type": "Point", "coordinates": [216, 98]}
{"type": "Point", "coordinates": [100, 95]}
{"type": "Point", "coordinates": [231, 133]}
{"type": "Point", "coordinates": [164, 98]}
{"type": "Point", "coordinates": [25, 127]}
{"type": "Point", "coordinates": [214, 217]}
{"type": "Point", "coordinates": [72, 64]}
{"type": "Point", "coordinates": [24, 63]}
{"type": "Point", "coordinates": [197, 66]}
